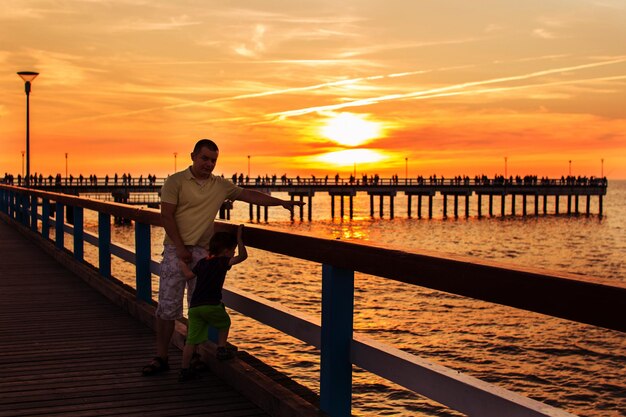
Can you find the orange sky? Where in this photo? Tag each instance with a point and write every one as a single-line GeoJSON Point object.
{"type": "Point", "coordinates": [315, 87]}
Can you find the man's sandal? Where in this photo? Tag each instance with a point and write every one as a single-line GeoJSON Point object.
{"type": "Point", "coordinates": [157, 366]}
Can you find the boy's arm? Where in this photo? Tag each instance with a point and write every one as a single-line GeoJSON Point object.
{"type": "Point", "coordinates": [187, 272]}
{"type": "Point", "coordinates": [242, 253]}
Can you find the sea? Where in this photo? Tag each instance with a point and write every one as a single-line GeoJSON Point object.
{"type": "Point", "coordinates": [576, 367]}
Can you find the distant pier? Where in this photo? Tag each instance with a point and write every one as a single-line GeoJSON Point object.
{"type": "Point", "coordinates": [571, 195]}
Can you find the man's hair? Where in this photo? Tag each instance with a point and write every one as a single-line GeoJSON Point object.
{"type": "Point", "coordinates": [222, 241]}
{"type": "Point", "coordinates": [205, 143]}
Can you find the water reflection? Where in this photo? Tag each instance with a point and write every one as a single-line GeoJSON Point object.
{"type": "Point", "coordinates": [577, 367]}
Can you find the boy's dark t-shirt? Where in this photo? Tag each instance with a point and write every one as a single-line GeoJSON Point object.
{"type": "Point", "coordinates": [210, 274]}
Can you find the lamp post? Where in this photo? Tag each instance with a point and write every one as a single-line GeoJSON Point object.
{"type": "Point", "coordinates": [65, 167]}
{"type": "Point", "coordinates": [175, 155]}
{"type": "Point", "coordinates": [406, 170]}
{"type": "Point", "coordinates": [248, 166]}
{"type": "Point", "coordinates": [602, 168]}
{"type": "Point", "coordinates": [570, 167]}
{"type": "Point", "coordinates": [23, 163]}
{"type": "Point", "coordinates": [28, 77]}
{"type": "Point", "coordinates": [505, 166]}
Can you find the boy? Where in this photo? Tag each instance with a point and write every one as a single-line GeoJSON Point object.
{"type": "Point", "coordinates": [206, 308]}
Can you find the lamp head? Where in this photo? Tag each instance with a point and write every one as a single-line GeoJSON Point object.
{"type": "Point", "coordinates": [28, 76]}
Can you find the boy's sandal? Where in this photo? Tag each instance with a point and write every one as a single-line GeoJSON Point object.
{"type": "Point", "coordinates": [197, 364]}
{"type": "Point", "coordinates": [223, 353]}
{"type": "Point", "coordinates": [157, 366]}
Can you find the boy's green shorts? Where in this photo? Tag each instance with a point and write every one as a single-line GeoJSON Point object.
{"type": "Point", "coordinates": [203, 317]}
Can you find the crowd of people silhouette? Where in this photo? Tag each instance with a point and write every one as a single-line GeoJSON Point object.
{"type": "Point", "coordinates": [126, 179]}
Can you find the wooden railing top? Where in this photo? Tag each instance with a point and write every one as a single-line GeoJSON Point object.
{"type": "Point", "coordinates": [560, 295]}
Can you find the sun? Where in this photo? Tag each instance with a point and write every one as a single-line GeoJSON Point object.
{"type": "Point", "coordinates": [348, 157]}
{"type": "Point", "coordinates": [350, 129]}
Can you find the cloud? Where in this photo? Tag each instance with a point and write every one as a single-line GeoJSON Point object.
{"type": "Point", "coordinates": [138, 25]}
{"type": "Point", "coordinates": [610, 4]}
{"type": "Point", "coordinates": [344, 82]}
{"type": "Point", "coordinates": [59, 68]}
{"type": "Point", "coordinates": [18, 10]}
{"type": "Point", "coordinates": [255, 45]}
{"type": "Point", "coordinates": [544, 34]}
{"type": "Point", "coordinates": [386, 47]}
{"type": "Point", "coordinates": [493, 28]}
{"type": "Point", "coordinates": [451, 89]}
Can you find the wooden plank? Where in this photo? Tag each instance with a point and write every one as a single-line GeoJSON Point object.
{"type": "Point", "coordinates": [67, 350]}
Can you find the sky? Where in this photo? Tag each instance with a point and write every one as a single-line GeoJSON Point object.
{"type": "Point", "coordinates": [405, 87]}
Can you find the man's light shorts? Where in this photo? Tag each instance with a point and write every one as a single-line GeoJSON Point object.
{"type": "Point", "coordinates": [172, 283]}
{"type": "Point", "coordinates": [205, 316]}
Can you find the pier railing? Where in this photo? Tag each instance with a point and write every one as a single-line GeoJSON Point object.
{"type": "Point", "coordinates": [155, 183]}
{"type": "Point", "coordinates": [139, 191]}
{"type": "Point", "coordinates": [559, 296]}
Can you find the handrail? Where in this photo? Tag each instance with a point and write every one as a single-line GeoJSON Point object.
{"type": "Point", "coordinates": [477, 279]}
{"type": "Point", "coordinates": [529, 289]}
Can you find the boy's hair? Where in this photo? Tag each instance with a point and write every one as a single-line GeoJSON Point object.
{"type": "Point", "coordinates": [222, 241]}
{"type": "Point", "coordinates": [205, 143]}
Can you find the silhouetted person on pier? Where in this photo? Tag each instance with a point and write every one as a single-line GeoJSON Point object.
{"type": "Point", "coordinates": [206, 308]}
{"type": "Point", "coordinates": [190, 200]}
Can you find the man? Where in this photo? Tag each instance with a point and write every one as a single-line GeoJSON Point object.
{"type": "Point", "coordinates": [190, 200]}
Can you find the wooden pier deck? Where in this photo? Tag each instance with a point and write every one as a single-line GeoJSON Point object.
{"type": "Point", "coordinates": [65, 349]}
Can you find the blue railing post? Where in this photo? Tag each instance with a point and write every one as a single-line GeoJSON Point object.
{"type": "Point", "coordinates": [13, 204]}
{"type": "Point", "coordinates": [45, 218]}
{"type": "Point", "coordinates": [142, 261]}
{"type": "Point", "coordinates": [104, 244]}
{"type": "Point", "coordinates": [17, 207]}
{"type": "Point", "coordinates": [34, 204]}
{"type": "Point", "coordinates": [59, 223]}
{"type": "Point", "coordinates": [23, 209]}
{"type": "Point", "coordinates": [79, 233]}
{"type": "Point", "coordinates": [337, 317]}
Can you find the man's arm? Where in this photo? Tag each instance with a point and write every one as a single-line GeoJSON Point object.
{"type": "Point", "coordinates": [168, 211]}
{"type": "Point", "coordinates": [261, 199]}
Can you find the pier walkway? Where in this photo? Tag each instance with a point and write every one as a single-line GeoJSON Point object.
{"type": "Point", "coordinates": [53, 333]}
{"type": "Point", "coordinates": [68, 350]}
